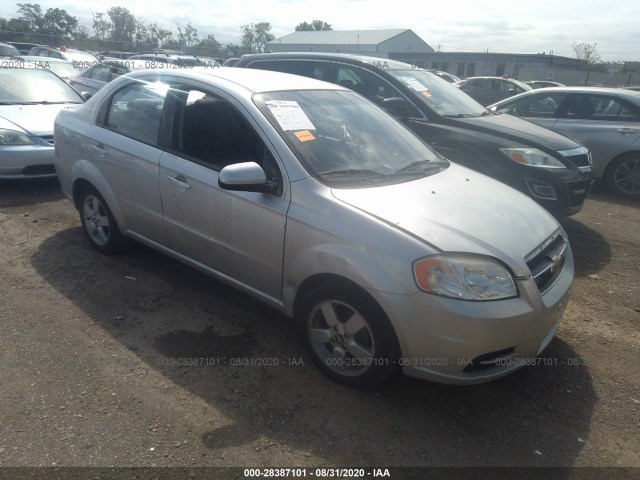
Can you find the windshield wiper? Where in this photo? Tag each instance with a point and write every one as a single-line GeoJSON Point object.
{"type": "Point", "coordinates": [349, 171]}
{"type": "Point", "coordinates": [460, 115]}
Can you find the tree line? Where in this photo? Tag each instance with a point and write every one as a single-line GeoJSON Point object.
{"type": "Point", "coordinates": [118, 29]}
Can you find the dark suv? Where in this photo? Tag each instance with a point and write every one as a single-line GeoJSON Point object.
{"type": "Point", "coordinates": [552, 169]}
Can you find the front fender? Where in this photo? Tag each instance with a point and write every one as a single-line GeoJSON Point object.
{"type": "Point", "coordinates": [371, 271]}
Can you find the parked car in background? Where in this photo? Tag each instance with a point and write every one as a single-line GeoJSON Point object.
{"type": "Point", "coordinates": [25, 48]}
{"type": "Point", "coordinates": [30, 99]}
{"type": "Point", "coordinates": [449, 77]}
{"type": "Point", "coordinates": [63, 68]}
{"type": "Point", "coordinates": [78, 58]}
{"type": "Point", "coordinates": [89, 81]}
{"type": "Point", "coordinates": [605, 120]}
{"type": "Point", "coordinates": [231, 62]}
{"type": "Point", "coordinates": [174, 60]}
{"type": "Point", "coordinates": [488, 90]}
{"type": "Point", "coordinates": [550, 168]}
{"type": "Point", "coordinates": [8, 51]}
{"type": "Point", "coordinates": [391, 254]}
{"type": "Point", "coordinates": [535, 84]}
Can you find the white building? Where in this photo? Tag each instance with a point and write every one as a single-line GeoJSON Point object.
{"type": "Point", "coordinates": [378, 43]}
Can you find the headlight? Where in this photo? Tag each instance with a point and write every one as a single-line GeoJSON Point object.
{"type": "Point", "coordinates": [464, 277]}
{"type": "Point", "coordinates": [11, 137]}
{"type": "Point", "coordinates": [533, 157]}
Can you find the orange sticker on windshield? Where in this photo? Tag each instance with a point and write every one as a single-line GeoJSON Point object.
{"type": "Point", "coordinates": [426, 94]}
{"type": "Point", "coordinates": [304, 135]}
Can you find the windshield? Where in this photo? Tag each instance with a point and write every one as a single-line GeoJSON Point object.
{"type": "Point", "coordinates": [438, 94]}
{"type": "Point", "coordinates": [62, 69]}
{"type": "Point", "coordinates": [345, 141]}
{"type": "Point", "coordinates": [34, 85]}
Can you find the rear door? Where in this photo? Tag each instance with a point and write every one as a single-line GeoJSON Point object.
{"type": "Point", "coordinates": [607, 125]}
{"type": "Point", "coordinates": [123, 145]}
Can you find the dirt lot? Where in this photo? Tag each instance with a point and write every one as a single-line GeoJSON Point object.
{"type": "Point", "coordinates": [89, 349]}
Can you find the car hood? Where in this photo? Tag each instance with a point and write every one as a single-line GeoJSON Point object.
{"type": "Point", "coordinates": [459, 210]}
{"type": "Point", "coordinates": [35, 119]}
{"type": "Point", "coordinates": [520, 130]}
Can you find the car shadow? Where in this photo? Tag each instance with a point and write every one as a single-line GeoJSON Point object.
{"type": "Point", "coordinates": [25, 192]}
{"type": "Point", "coordinates": [250, 366]}
{"type": "Point", "coordinates": [591, 251]}
{"type": "Point", "coordinates": [600, 193]}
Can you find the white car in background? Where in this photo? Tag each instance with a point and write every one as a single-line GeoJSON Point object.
{"type": "Point", "coordinates": [30, 99]}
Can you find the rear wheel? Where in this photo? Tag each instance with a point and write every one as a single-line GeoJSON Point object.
{"type": "Point", "coordinates": [348, 335]}
{"type": "Point", "coordinates": [98, 223]}
{"type": "Point", "coordinates": [623, 176]}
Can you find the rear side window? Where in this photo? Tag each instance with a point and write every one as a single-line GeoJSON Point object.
{"type": "Point", "coordinates": [135, 111]}
{"type": "Point", "coordinates": [305, 68]}
{"type": "Point", "coordinates": [601, 107]}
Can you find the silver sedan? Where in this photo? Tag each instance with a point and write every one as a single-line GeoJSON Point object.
{"type": "Point", "coordinates": [30, 99]}
{"type": "Point", "coordinates": [312, 199]}
{"type": "Point", "coordinates": [605, 120]}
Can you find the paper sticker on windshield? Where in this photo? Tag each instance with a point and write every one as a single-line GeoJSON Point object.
{"type": "Point", "coordinates": [426, 94]}
{"type": "Point", "coordinates": [414, 84]}
{"type": "Point", "coordinates": [304, 136]}
{"type": "Point", "coordinates": [289, 115]}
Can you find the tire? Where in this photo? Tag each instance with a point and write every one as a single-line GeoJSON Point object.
{"type": "Point", "coordinates": [98, 223]}
{"type": "Point", "coordinates": [348, 335]}
{"type": "Point", "coordinates": [623, 176]}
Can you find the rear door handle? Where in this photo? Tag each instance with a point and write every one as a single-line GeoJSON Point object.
{"type": "Point", "coordinates": [626, 131]}
{"type": "Point", "coordinates": [179, 181]}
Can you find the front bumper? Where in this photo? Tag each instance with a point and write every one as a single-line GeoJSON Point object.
{"type": "Point", "coordinates": [26, 161]}
{"type": "Point", "coordinates": [461, 342]}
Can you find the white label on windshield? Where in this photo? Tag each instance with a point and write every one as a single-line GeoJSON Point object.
{"type": "Point", "coordinates": [289, 115]}
{"type": "Point", "coordinates": [415, 84]}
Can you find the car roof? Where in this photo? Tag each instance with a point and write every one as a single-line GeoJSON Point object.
{"type": "Point", "coordinates": [620, 92]}
{"type": "Point", "coordinates": [255, 81]}
{"type": "Point", "coordinates": [384, 63]}
{"type": "Point", "coordinates": [607, 90]}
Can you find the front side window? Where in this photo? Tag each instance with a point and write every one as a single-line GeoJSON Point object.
{"type": "Point", "coordinates": [211, 131]}
{"type": "Point", "coordinates": [541, 105]}
{"type": "Point", "coordinates": [135, 110]}
{"type": "Point", "coordinates": [366, 84]}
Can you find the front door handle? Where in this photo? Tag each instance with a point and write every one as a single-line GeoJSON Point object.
{"type": "Point", "coordinates": [626, 131]}
{"type": "Point", "coordinates": [179, 181]}
{"type": "Point", "coordinates": [99, 149]}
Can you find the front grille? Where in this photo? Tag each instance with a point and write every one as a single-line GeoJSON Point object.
{"type": "Point", "coordinates": [547, 261]}
{"type": "Point", "coordinates": [47, 138]}
{"type": "Point", "coordinates": [578, 192]}
{"type": "Point", "coordinates": [579, 160]}
{"type": "Point", "coordinates": [39, 170]}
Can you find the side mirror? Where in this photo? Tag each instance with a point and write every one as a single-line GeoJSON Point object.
{"type": "Point", "coordinates": [86, 95]}
{"type": "Point", "coordinates": [245, 177]}
{"type": "Point", "coordinates": [396, 106]}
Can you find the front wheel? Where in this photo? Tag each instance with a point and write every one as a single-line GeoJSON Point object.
{"type": "Point", "coordinates": [98, 223]}
{"type": "Point", "coordinates": [623, 177]}
{"type": "Point", "coordinates": [348, 335]}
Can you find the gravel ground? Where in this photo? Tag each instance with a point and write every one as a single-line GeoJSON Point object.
{"type": "Point", "coordinates": [91, 372]}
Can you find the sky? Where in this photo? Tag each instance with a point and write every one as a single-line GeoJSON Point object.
{"type": "Point", "coordinates": [549, 26]}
